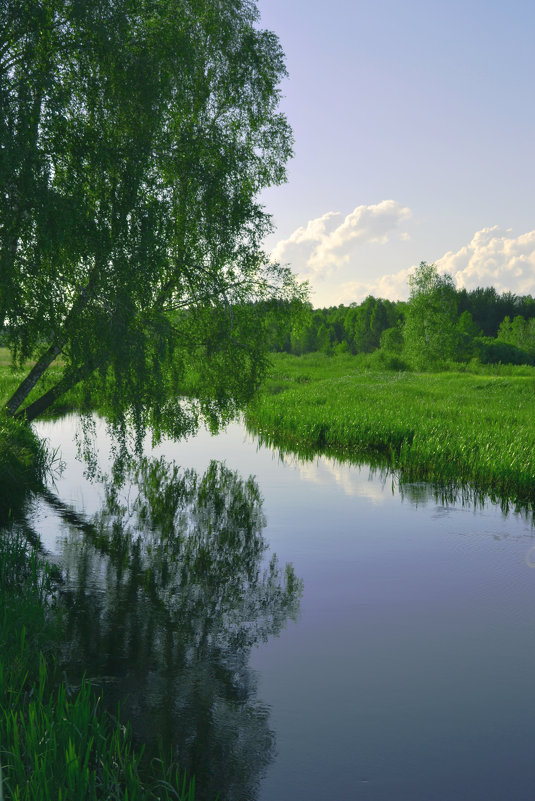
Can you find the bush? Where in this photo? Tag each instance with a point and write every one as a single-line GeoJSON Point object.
{"type": "Point", "coordinates": [385, 360]}
{"type": "Point", "coordinates": [492, 351]}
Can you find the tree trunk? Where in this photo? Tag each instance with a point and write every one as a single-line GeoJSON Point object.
{"type": "Point", "coordinates": [69, 380]}
{"type": "Point", "coordinates": [24, 389]}
{"type": "Point", "coordinates": [42, 365]}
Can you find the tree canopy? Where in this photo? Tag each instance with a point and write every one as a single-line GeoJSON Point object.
{"type": "Point", "coordinates": [135, 137]}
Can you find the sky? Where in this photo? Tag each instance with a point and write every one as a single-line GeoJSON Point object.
{"type": "Point", "coordinates": [414, 126]}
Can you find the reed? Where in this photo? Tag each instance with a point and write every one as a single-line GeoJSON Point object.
{"type": "Point", "coordinates": [472, 428]}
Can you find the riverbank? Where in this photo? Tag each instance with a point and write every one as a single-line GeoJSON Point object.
{"type": "Point", "coordinates": [450, 428]}
{"type": "Point", "coordinates": [24, 460]}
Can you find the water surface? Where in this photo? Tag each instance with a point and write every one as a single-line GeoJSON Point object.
{"type": "Point", "coordinates": [397, 663]}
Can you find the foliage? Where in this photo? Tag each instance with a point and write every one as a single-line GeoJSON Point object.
{"type": "Point", "coordinates": [429, 331]}
{"type": "Point", "coordinates": [356, 328]}
{"type": "Point", "coordinates": [380, 325]}
{"type": "Point", "coordinates": [466, 332]}
{"type": "Point", "coordinates": [497, 351]}
{"type": "Point", "coordinates": [518, 332]}
{"type": "Point", "coordinates": [392, 340]}
{"type": "Point", "coordinates": [134, 140]}
{"type": "Point", "coordinates": [445, 427]}
{"type": "Point", "coordinates": [488, 308]}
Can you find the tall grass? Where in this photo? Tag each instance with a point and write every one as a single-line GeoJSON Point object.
{"type": "Point", "coordinates": [470, 428]}
{"type": "Point", "coordinates": [56, 741]}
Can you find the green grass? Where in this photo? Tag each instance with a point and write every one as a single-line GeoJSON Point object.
{"type": "Point", "coordinates": [56, 741]}
{"type": "Point", "coordinates": [24, 460]}
{"type": "Point", "coordinates": [453, 428]}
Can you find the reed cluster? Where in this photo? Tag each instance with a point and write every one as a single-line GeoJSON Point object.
{"type": "Point", "coordinates": [450, 428]}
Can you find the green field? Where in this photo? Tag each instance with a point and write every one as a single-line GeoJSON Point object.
{"type": "Point", "coordinates": [11, 375]}
{"type": "Point", "coordinates": [451, 428]}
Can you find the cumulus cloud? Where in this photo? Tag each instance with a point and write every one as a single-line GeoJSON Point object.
{"type": "Point", "coordinates": [333, 253]}
{"type": "Point", "coordinates": [327, 243]}
{"type": "Point", "coordinates": [494, 257]}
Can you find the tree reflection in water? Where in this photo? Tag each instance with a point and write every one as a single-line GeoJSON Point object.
{"type": "Point", "coordinates": [166, 595]}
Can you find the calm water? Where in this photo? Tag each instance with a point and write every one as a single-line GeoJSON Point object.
{"type": "Point", "coordinates": [396, 662]}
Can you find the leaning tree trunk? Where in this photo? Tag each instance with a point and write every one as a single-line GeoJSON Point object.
{"type": "Point", "coordinates": [44, 362]}
{"type": "Point", "coordinates": [69, 380]}
{"type": "Point", "coordinates": [24, 389]}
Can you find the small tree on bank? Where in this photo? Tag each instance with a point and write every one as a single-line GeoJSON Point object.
{"type": "Point", "coordinates": [135, 138]}
{"type": "Point", "coordinates": [430, 319]}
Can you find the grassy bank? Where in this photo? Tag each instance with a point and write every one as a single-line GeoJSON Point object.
{"type": "Point", "coordinates": [12, 375]}
{"type": "Point", "coordinates": [451, 428]}
{"type": "Point", "coordinates": [56, 742]}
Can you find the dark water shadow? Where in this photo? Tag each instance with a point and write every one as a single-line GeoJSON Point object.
{"type": "Point", "coordinates": [166, 591]}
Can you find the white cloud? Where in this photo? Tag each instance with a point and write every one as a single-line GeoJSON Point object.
{"type": "Point", "coordinates": [393, 286]}
{"type": "Point", "coordinates": [493, 258]}
{"type": "Point", "coordinates": [336, 254]}
{"type": "Point", "coordinates": [354, 481]}
{"type": "Point", "coordinates": [326, 243]}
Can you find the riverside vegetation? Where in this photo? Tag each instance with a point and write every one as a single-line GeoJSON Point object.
{"type": "Point", "coordinates": [56, 742]}
{"type": "Point", "coordinates": [455, 428]}
{"type": "Point", "coordinates": [425, 394]}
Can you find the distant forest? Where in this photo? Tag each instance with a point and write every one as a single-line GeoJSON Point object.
{"type": "Point", "coordinates": [480, 324]}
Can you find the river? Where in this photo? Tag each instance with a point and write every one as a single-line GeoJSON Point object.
{"type": "Point", "coordinates": [395, 661]}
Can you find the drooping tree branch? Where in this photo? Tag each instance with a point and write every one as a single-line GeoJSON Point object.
{"type": "Point", "coordinates": [142, 167]}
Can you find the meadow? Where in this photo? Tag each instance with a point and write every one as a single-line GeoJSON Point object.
{"type": "Point", "coordinates": [475, 427]}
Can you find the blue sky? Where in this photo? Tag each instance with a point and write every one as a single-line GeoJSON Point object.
{"type": "Point", "coordinates": [414, 128]}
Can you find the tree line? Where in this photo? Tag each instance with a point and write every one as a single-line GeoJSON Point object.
{"type": "Point", "coordinates": [438, 323]}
